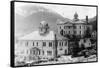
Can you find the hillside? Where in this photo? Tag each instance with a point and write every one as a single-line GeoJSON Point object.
{"type": "Point", "coordinates": [30, 22]}
{"type": "Point", "coordinates": [93, 21]}
{"type": "Point", "coordinates": [29, 18]}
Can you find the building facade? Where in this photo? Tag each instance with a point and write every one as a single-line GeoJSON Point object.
{"type": "Point", "coordinates": [75, 27]}
{"type": "Point", "coordinates": [40, 45]}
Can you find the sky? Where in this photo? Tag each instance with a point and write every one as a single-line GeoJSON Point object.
{"type": "Point", "coordinates": [66, 11]}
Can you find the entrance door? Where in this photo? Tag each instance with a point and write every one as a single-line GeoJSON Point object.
{"type": "Point", "coordinates": [34, 53]}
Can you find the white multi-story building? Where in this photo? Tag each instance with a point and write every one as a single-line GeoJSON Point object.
{"type": "Point", "coordinates": [40, 45]}
{"type": "Point", "coordinates": [75, 27]}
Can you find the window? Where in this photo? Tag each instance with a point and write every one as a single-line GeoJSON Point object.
{"type": "Point", "coordinates": [63, 32]}
{"type": "Point", "coordinates": [34, 52]}
{"type": "Point", "coordinates": [74, 27]}
{"type": "Point", "coordinates": [65, 43]}
{"type": "Point", "coordinates": [49, 52]}
{"type": "Point", "coordinates": [33, 43]}
{"type": "Point", "coordinates": [62, 43]}
{"type": "Point", "coordinates": [43, 52]}
{"type": "Point", "coordinates": [64, 27]}
{"type": "Point", "coordinates": [50, 44]}
{"type": "Point", "coordinates": [37, 43]}
{"type": "Point", "coordinates": [80, 27]}
{"type": "Point", "coordinates": [84, 40]}
{"type": "Point", "coordinates": [60, 27]}
{"type": "Point", "coordinates": [74, 32]}
{"type": "Point", "coordinates": [44, 43]}
{"type": "Point", "coordinates": [80, 32]}
{"type": "Point", "coordinates": [60, 49]}
{"type": "Point", "coordinates": [59, 43]}
{"type": "Point", "coordinates": [89, 44]}
{"type": "Point", "coordinates": [39, 52]}
{"type": "Point", "coordinates": [69, 32]}
{"type": "Point", "coordinates": [65, 51]}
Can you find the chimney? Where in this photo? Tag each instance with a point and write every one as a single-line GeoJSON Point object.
{"type": "Point", "coordinates": [87, 19]}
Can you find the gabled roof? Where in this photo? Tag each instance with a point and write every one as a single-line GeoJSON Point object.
{"type": "Point", "coordinates": [36, 36]}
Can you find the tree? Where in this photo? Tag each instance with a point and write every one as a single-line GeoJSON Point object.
{"type": "Point", "coordinates": [75, 49]}
{"type": "Point", "coordinates": [82, 47]}
{"type": "Point", "coordinates": [88, 34]}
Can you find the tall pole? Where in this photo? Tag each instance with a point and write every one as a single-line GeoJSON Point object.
{"type": "Point", "coordinates": [56, 46]}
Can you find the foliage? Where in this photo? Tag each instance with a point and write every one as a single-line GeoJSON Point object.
{"type": "Point", "coordinates": [88, 34]}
